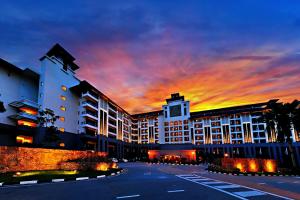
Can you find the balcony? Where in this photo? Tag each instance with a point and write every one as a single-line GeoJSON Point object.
{"type": "Point", "coordinates": [90, 105]}
{"type": "Point", "coordinates": [89, 125]}
{"type": "Point", "coordinates": [90, 96]}
{"type": "Point", "coordinates": [89, 114]}
{"type": "Point", "coordinates": [24, 103]}
{"type": "Point", "coordinates": [24, 115]}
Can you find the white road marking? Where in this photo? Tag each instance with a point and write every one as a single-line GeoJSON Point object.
{"type": "Point", "coordinates": [172, 191]}
{"type": "Point", "coordinates": [227, 186]}
{"type": "Point", "coordinates": [239, 197]}
{"type": "Point", "coordinates": [1, 184]}
{"type": "Point", "coordinates": [129, 196]}
{"type": "Point", "coordinates": [249, 193]}
{"type": "Point", "coordinates": [28, 182]}
{"type": "Point", "coordinates": [102, 176]}
{"type": "Point", "coordinates": [231, 194]}
{"type": "Point", "coordinates": [201, 179]}
{"type": "Point", "coordinates": [212, 183]}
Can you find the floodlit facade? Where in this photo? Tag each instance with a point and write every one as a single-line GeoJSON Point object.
{"type": "Point", "coordinates": [84, 110]}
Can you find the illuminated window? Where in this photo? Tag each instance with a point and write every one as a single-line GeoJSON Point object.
{"type": "Point", "coordinates": [62, 129]}
{"type": "Point", "coordinates": [62, 119]}
{"type": "Point", "coordinates": [21, 139]}
{"type": "Point", "coordinates": [29, 111]}
{"type": "Point", "coordinates": [62, 97]}
{"type": "Point", "coordinates": [64, 88]}
{"type": "Point", "coordinates": [62, 144]}
{"type": "Point", "coordinates": [63, 108]}
{"type": "Point", "coordinates": [26, 123]}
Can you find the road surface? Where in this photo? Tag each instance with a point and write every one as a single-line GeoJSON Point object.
{"type": "Point", "coordinates": [159, 181]}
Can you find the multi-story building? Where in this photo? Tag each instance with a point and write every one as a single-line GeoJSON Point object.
{"type": "Point", "coordinates": [96, 121]}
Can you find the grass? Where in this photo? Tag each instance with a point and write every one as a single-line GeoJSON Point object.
{"type": "Point", "coordinates": [48, 175]}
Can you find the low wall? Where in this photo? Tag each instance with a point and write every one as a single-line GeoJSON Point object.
{"type": "Point", "coordinates": [27, 159]}
{"type": "Point", "coordinates": [250, 164]}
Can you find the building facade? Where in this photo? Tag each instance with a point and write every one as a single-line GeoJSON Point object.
{"type": "Point", "coordinates": [100, 123]}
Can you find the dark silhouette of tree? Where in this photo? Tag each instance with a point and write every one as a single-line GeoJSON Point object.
{"type": "Point", "coordinates": [2, 108]}
{"type": "Point", "coordinates": [47, 119]}
{"type": "Point", "coordinates": [281, 119]}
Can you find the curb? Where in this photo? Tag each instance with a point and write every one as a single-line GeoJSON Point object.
{"type": "Point", "coordinates": [32, 182]}
{"type": "Point", "coordinates": [58, 180]}
{"type": "Point", "coordinates": [28, 182]}
{"type": "Point", "coordinates": [174, 164]}
{"type": "Point", "coordinates": [81, 178]}
{"type": "Point", "coordinates": [252, 174]}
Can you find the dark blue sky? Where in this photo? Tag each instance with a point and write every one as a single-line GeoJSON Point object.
{"type": "Point", "coordinates": [217, 53]}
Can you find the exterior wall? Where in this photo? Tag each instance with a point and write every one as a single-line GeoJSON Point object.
{"type": "Point", "coordinates": [15, 86]}
{"type": "Point", "coordinates": [52, 78]}
{"type": "Point", "coordinates": [27, 159]}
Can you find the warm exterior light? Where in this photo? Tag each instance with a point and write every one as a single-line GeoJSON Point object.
{"type": "Point", "coordinates": [24, 139]}
{"type": "Point", "coordinates": [26, 123]}
{"type": "Point", "coordinates": [269, 166]}
{"type": "Point", "coordinates": [193, 152]}
{"type": "Point", "coordinates": [62, 144]}
{"type": "Point", "coordinates": [253, 166]}
{"type": "Point", "coordinates": [226, 155]}
{"type": "Point", "coordinates": [239, 165]}
{"type": "Point", "coordinates": [114, 165]}
{"type": "Point", "coordinates": [63, 97]}
{"type": "Point", "coordinates": [63, 108]}
{"type": "Point", "coordinates": [29, 111]}
{"type": "Point", "coordinates": [102, 167]}
{"type": "Point", "coordinates": [64, 88]}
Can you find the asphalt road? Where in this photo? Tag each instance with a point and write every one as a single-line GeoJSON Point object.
{"type": "Point", "coordinates": [153, 181]}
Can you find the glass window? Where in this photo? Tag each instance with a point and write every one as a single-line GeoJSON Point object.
{"type": "Point", "coordinates": [62, 97]}
{"type": "Point", "coordinates": [64, 88]}
{"type": "Point", "coordinates": [63, 108]}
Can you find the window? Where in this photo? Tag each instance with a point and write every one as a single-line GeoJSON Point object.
{"type": "Point", "coordinates": [21, 139]}
{"type": "Point", "coordinates": [62, 119]}
{"type": "Point", "coordinates": [63, 108]}
{"type": "Point", "coordinates": [62, 144]}
{"type": "Point", "coordinates": [62, 97]}
{"type": "Point", "coordinates": [62, 129]}
{"type": "Point", "coordinates": [64, 88]}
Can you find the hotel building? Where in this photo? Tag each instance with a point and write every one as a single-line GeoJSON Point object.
{"type": "Point", "coordinates": [88, 119]}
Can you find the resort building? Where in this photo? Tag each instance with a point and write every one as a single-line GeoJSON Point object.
{"type": "Point", "coordinates": [89, 119]}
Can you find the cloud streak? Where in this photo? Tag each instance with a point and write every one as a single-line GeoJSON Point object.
{"type": "Point", "coordinates": [217, 54]}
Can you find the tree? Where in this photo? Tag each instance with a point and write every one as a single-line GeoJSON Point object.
{"type": "Point", "coordinates": [47, 119]}
{"type": "Point", "coordinates": [2, 108]}
{"type": "Point", "coordinates": [280, 119]}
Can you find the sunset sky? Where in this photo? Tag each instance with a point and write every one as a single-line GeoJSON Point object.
{"type": "Point", "coordinates": [216, 53]}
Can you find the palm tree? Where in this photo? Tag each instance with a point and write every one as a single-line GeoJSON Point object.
{"type": "Point", "coordinates": [280, 119]}
{"type": "Point", "coordinates": [2, 109]}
